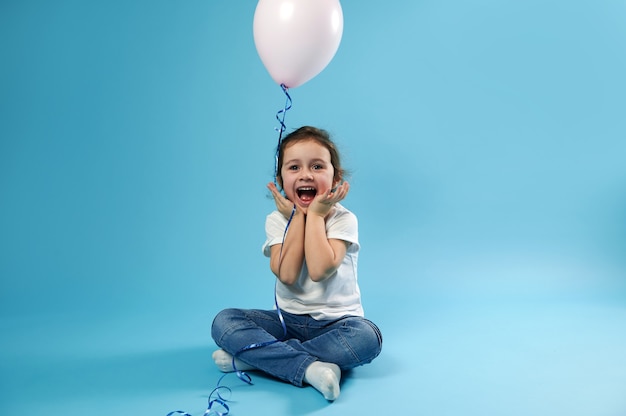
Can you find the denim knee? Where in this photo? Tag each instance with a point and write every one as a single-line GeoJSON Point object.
{"type": "Point", "coordinates": [222, 322]}
{"type": "Point", "coordinates": [375, 337]}
{"type": "Point", "coordinates": [366, 340]}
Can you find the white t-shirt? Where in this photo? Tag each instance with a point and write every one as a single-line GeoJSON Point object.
{"type": "Point", "coordinates": [334, 297]}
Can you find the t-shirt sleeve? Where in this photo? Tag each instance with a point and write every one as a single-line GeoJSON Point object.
{"type": "Point", "coordinates": [344, 226]}
{"type": "Point", "coordinates": [275, 225]}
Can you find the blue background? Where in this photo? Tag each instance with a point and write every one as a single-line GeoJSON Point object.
{"type": "Point", "coordinates": [486, 141]}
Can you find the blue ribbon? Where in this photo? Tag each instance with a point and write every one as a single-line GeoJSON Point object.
{"type": "Point", "coordinates": [280, 116]}
{"type": "Point", "coordinates": [242, 375]}
{"type": "Point", "coordinates": [219, 401]}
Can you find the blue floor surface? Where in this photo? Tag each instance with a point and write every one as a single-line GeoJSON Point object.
{"type": "Point", "coordinates": [444, 354]}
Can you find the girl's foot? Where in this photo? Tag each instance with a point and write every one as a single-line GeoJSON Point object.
{"type": "Point", "coordinates": [325, 378]}
{"type": "Point", "coordinates": [224, 361]}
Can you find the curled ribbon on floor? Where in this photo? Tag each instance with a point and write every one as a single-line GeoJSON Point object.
{"type": "Point", "coordinates": [217, 405]}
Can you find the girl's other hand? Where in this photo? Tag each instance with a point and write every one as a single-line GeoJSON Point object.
{"type": "Point", "coordinates": [323, 202]}
{"type": "Point", "coordinates": [283, 205]}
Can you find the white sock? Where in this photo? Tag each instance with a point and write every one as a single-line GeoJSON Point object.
{"type": "Point", "coordinates": [224, 361]}
{"type": "Point", "coordinates": [325, 378]}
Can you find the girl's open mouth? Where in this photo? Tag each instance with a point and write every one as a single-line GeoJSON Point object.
{"type": "Point", "coordinates": [306, 194]}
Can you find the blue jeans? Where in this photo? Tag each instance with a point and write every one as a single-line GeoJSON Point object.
{"type": "Point", "coordinates": [349, 342]}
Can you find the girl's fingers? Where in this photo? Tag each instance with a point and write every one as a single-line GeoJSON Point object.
{"type": "Point", "coordinates": [275, 193]}
{"type": "Point", "coordinates": [339, 192]}
{"type": "Point", "coordinates": [272, 187]}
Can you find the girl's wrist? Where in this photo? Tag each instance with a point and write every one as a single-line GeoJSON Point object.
{"type": "Point", "coordinates": [321, 213]}
{"type": "Point", "coordinates": [290, 212]}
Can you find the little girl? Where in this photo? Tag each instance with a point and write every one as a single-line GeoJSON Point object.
{"type": "Point", "coordinates": [315, 260]}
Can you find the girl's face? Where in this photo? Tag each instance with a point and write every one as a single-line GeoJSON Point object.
{"type": "Point", "coordinates": [306, 171]}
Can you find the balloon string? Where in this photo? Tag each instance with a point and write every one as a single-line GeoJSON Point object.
{"type": "Point", "coordinates": [242, 375]}
{"type": "Point", "coordinates": [280, 116]}
{"type": "Point", "coordinates": [219, 401]}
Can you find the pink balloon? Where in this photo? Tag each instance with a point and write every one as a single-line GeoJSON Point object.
{"type": "Point", "coordinates": [297, 39]}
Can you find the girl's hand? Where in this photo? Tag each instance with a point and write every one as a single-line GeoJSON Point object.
{"type": "Point", "coordinates": [323, 202]}
{"type": "Point", "coordinates": [283, 205]}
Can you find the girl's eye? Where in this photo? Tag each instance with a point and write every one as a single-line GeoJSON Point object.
{"type": "Point", "coordinates": [293, 167]}
{"type": "Point", "coordinates": [318, 167]}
